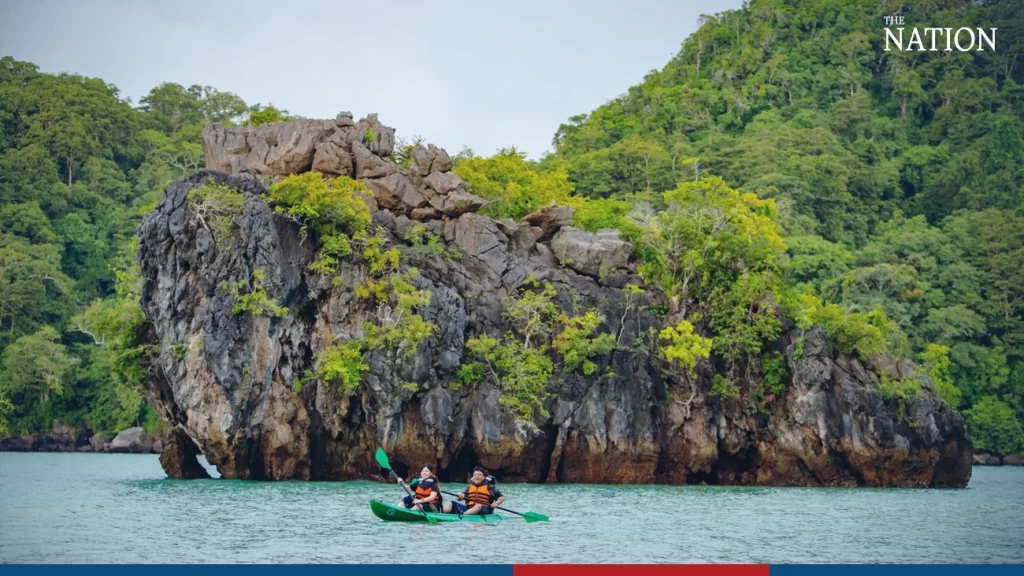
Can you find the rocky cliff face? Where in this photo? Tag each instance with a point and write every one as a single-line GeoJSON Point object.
{"type": "Point", "coordinates": [228, 381]}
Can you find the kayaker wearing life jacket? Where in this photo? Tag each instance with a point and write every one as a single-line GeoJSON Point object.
{"type": "Point", "coordinates": [427, 496]}
{"type": "Point", "coordinates": [481, 496]}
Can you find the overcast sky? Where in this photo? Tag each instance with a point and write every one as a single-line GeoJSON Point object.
{"type": "Point", "coordinates": [459, 73]}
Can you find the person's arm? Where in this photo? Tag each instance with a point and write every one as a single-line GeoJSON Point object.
{"type": "Point", "coordinates": [406, 487]}
{"type": "Point", "coordinates": [498, 497]}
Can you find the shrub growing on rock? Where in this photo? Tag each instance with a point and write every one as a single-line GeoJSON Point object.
{"type": "Point", "coordinates": [520, 363]}
{"type": "Point", "coordinates": [255, 300]}
{"type": "Point", "coordinates": [332, 210]}
{"type": "Point", "coordinates": [216, 206]}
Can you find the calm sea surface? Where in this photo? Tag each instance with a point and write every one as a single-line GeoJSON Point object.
{"type": "Point", "coordinates": [121, 508]}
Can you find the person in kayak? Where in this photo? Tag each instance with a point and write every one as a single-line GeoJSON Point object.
{"type": "Point", "coordinates": [427, 494]}
{"type": "Point", "coordinates": [481, 496]}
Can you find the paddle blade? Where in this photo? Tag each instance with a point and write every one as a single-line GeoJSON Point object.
{"type": "Point", "coordinates": [534, 517]}
{"type": "Point", "coordinates": [382, 459]}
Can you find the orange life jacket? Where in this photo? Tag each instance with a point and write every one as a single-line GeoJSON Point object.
{"type": "Point", "coordinates": [425, 493]}
{"type": "Point", "coordinates": [479, 495]}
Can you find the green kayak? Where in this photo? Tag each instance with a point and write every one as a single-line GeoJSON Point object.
{"type": "Point", "coordinates": [398, 513]}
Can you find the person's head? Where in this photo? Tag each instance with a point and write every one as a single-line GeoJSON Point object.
{"type": "Point", "coordinates": [426, 472]}
{"type": "Point", "coordinates": [479, 474]}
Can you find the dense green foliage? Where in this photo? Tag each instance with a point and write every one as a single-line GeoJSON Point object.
{"type": "Point", "coordinates": [897, 175]}
{"type": "Point", "coordinates": [79, 165]}
{"type": "Point", "coordinates": [994, 427]}
{"type": "Point", "coordinates": [513, 187]}
{"type": "Point", "coordinates": [892, 181]}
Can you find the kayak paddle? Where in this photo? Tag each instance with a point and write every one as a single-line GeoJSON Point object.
{"type": "Point", "coordinates": [529, 516]}
{"type": "Point", "coordinates": [382, 460]}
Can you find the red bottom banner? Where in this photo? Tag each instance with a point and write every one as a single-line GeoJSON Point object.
{"type": "Point", "coordinates": [645, 569]}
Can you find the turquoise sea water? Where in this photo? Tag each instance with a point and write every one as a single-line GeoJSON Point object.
{"type": "Point", "coordinates": [121, 508]}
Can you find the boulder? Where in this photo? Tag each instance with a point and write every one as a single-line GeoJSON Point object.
{"type": "Point", "coordinates": [390, 190]}
{"type": "Point", "coordinates": [507, 226]}
{"type": "Point", "coordinates": [332, 159]}
{"type": "Point", "coordinates": [276, 149]}
{"type": "Point", "coordinates": [1014, 460]}
{"type": "Point", "coordinates": [457, 203]}
{"type": "Point", "coordinates": [301, 145]}
{"type": "Point", "coordinates": [413, 199]}
{"type": "Point", "coordinates": [289, 146]}
{"type": "Point", "coordinates": [369, 200]}
{"type": "Point", "coordinates": [98, 441]}
{"type": "Point", "coordinates": [479, 238]}
{"type": "Point", "coordinates": [525, 237]}
{"type": "Point", "coordinates": [223, 144]}
{"type": "Point", "coordinates": [344, 119]}
{"type": "Point", "coordinates": [986, 459]}
{"type": "Point", "coordinates": [442, 162]}
{"type": "Point", "coordinates": [383, 140]}
{"type": "Point", "coordinates": [369, 165]}
{"type": "Point", "coordinates": [550, 219]}
{"type": "Point", "coordinates": [594, 254]}
{"type": "Point", "coordinates": [445, 182]}
{"type": "Point", "coordinates": [133, 440]}
{"type": "Point", "coordinates": [423, 214]}
{"type": "Point", "coordinates": [431, 159]}
{"type": "Point", "coordinates": [423, 158]}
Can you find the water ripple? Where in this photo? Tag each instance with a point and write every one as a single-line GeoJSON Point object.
{"type": "Point", "coordinates": [121, 508]}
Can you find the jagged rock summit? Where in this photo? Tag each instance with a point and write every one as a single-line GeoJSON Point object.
{"type": "Point", "coordinates": [344, 148]}
{"type": "Point", "coordinates": [233, 386]}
